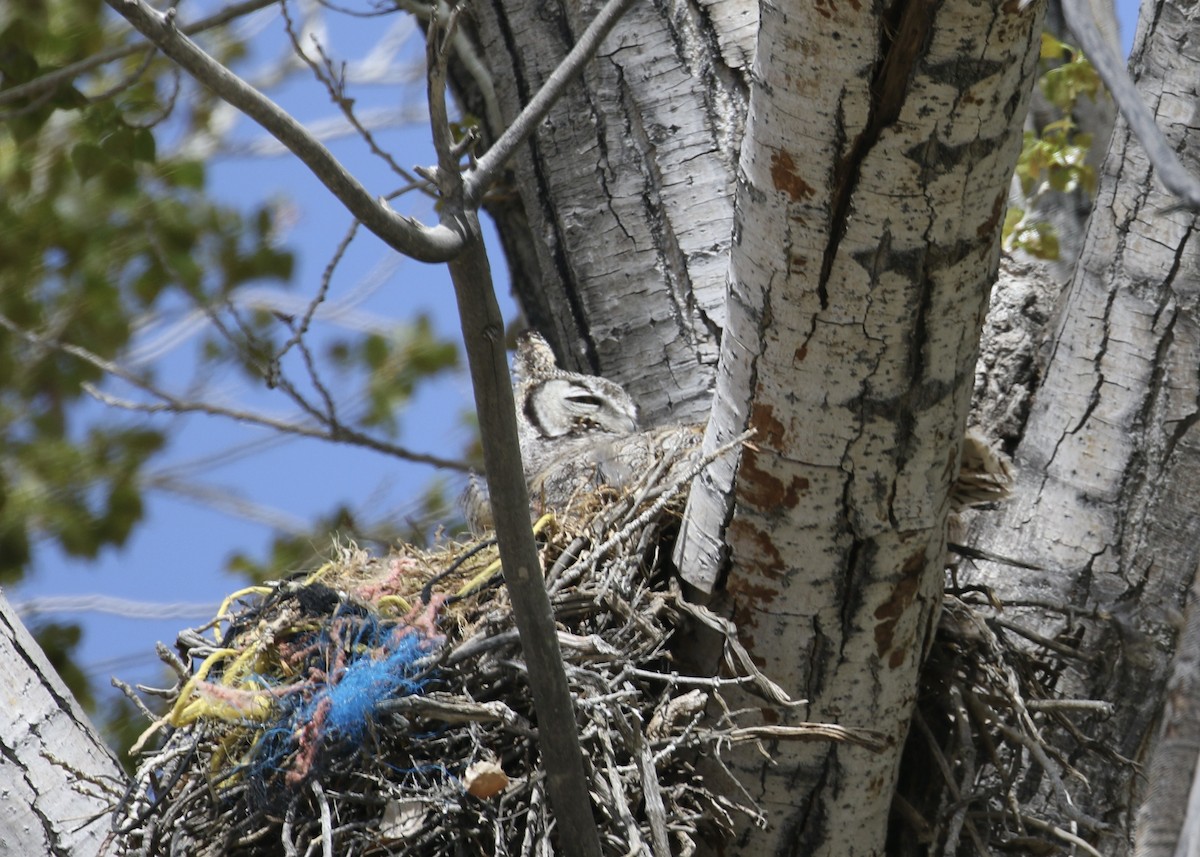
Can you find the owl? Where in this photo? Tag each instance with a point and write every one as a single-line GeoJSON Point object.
{"type": "Point", "coordinates": [579, 432]}
{"type": "Point", "coordinates": [576, 431]}
{"type": "Point", "coordinates": [985, 474]}
{"type": "Point", "coordinates": [563, 415]}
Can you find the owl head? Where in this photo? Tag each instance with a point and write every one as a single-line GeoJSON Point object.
{"type": "Point", "coordinates": [557, 404]}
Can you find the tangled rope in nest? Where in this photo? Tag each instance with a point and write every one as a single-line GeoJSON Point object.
{"type": "Point", "coordinates": [379, 705]}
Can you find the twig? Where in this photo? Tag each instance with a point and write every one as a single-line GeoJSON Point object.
{"type": "Point", "coordinates": [1034, 637]}
{"type": "Point", "coordinates": [1038, 752]}
{"type": "Point", "coordinates": [131, 79]}
{"type": "Point", "coordinates": [868, 738]}
{"type": "Point", "coordinates": [667, 495]}
{"type": "Point", "coordinates": [285, 833]}
{"type": "Point", "coordinates": [322, 290]}
{"type": "Point", "coordinates": [938, 756]}
{"type": "Point", "coordinates": [326, 819]}
{"type": "Point", "coordinates": [734, 652]}
{"type": "Point", "coordinates": [469, 57]}
{"type": "Point", "coordinates": [132, 696]}
{"type": "Point", "coordinates": [337, 94]}
{"type": "Point", "coordinates": [170, 403]}
{"type": "Point", "coordinates": [1047, 827]}
{"type": "Point", "coordinates": [403, 234]}
{"type": "Point", "coordinates": [437, 56]}
{"type": "Point", "coordinates": [1098, 706]}
{"type": "Point", "coordinates": [491, 163]}
{"type": "Point", "coordinates": [616, 799]}
{"type": "Point", "coordinates": [966, 756]}
{"type": "Point", "coordinates": [714, 683]}
{"type": "Point", "coordinates": [656, 813]}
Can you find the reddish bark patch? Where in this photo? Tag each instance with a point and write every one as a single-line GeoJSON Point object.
{"type": "Point", "coordinates": [767, 429]}
{"type": "Point", "coordinates": [755, 552]}
{"type": "Point", "coordinates": [786, 179]}
{"type": "Point", "coordinates": [889, 612]}
{"type": "Point", "coordinates": [763, 490]}
{"type": "Point", "coordinates": [988, 227]}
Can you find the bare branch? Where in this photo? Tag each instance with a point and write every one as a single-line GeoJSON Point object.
{"type": "Point", "coordinates": [335, 85]}
{"type": "Point", "coordinates": [535, 111]}
{"type": "Point", "coordinates": [437, 51]}
{"type": "Point", "coordinates": [126, 608]}
{"type": "Point", "coordinates": [169, 403]}
{"type": "Point", "coordinates": [483, 333]}
{"type": "Point", "coordinates": [403, 234]}
{"type": "Point", "coordinates": [228, 502]}
{"type": "Point", "coordinates": [1174, 176]}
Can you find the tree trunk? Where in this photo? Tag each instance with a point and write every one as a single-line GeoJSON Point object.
{"type": "Point", "coordinates": [869, 196]}
{"type": "Point", "coordinates": [860, 279]}
{"type": "Point", "coordinates": [1110, 458]}
{"type": "Point", "coordinates": [58, 779]}
{"type": "Point", "coordinates": [626, 192]}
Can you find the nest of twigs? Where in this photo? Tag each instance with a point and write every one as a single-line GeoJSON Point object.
{"type": "Point", "coordinates": [380, 705]}
{"type": "Point", "coordinates": [993, 762]}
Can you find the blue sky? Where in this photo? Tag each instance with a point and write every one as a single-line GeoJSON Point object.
{"type": "Point", "coordinates": [178, 552]}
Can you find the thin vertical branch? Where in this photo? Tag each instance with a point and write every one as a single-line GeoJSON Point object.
{"type": "Point", "coordinates": [483, 335]}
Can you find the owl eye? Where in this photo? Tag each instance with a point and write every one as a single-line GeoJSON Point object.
{"type": "Point", "coordinates": [584, 399]}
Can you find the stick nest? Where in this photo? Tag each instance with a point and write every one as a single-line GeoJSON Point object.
{"type": "Point", "coordinates": [380, 705]}
{"type": "Point", "coordinates": [996, 758]}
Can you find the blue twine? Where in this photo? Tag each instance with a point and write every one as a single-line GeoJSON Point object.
{"type": "Point", "coordinates": [365, 683]}
{"type": "Point", "coordinates": [382, 664]}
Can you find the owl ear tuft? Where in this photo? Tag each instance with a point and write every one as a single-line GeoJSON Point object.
{"type": "Point", "coordinates": [534, 358]}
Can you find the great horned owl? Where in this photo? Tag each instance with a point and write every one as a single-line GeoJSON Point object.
{"type": "Point", "coordinates": [576, 432]}
{"type": "Point", "coordinates": [564, 415]}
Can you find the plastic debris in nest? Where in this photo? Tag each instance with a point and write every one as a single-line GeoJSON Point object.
{"type": "Point", "coordinates": [380, 705]}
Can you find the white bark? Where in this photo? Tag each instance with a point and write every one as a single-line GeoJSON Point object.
{"type": "Point", "coordinates": [627, 187]}
{"type": "Point", "coordinates": [869, 203]}
{"type": "Point", "coordinates": [1110, 458]}
{"type": "Point", "coordinates": [58, 781]}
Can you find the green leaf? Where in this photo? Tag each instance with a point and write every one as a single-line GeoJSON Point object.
{"type": "Point", "coordinates": [1052, 48]}
{"type": "Point", "coordinates": [1012, 217]}
{"type": "Point", "coordinates": [185, 174]}
{"type": "Point", "coordinates": [143, 145]}
{"type": "Point", "coordinates": [88, 160]}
